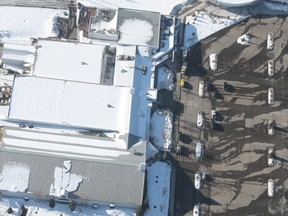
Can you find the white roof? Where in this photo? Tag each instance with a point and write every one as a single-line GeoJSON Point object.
{"type": "Point", "coordinates": [71, 104]}
{"type": "Point", "coordinates": [125, 69]}
{"type": "Point", "coordinates": [69, 61]}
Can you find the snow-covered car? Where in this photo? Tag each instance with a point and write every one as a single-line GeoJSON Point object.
{"type": "Point", "coordinates": [270, 67]}
{"type": "Point", "coordinates": [271, 126]}
{"type": "Point", "coordinates": [271, 159]}
{"type": "Point", "coordinates": [244, 40]}
{"type": "Point", "coordinates": [213, 61]}
{"type": "Point", "coordinates": [204, 175]}
{"type": "Point", "coordinates": [200, 119]}
{"type": "Point", "coordinates": [270, 96]}
{"type": "Point", "coordinates": [213, 114]}
{"type": "Point", "coordinates": [196, 210]}
{"type": "Point", "coordinates": [199, 150]}
{"type": "Point", "coordinates": [179, 149]}
{"type": "Point", "coordinates": [201, 88]}
{"type": "Point", "coordinates": [197, 180]}
{"type": "Point", "coordinates": [270, 188]}
{"type": "Point", "coordinates": [270, 41]}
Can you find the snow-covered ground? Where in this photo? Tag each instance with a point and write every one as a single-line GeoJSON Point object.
{"type": "Point", "coordinates": [36, 208]}
{"type": "Point", "coordinates": [19, 23]}
{"type": "Point", "coordinates": [162, 6]}
{"type": "Point", "coordinates": [158, 188]}
{"type": "Point", "coordinates": [277, 6]}
{"type": "Point", "coordinates": [165, 79]}
{"type": "Point", "coordinates": [202, 25]}
{"type": "Point", "coordinates": [161, 129]}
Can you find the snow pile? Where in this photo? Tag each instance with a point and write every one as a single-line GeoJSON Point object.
{"type": "Point", "coordinates": [14, 177]}
{"type": "Point", "coordinates": [36, 208]}
{"type": "Point", "coordinates": [244, 40]}
{"type": "Point", "coordinates": [23, 22]}
{"type": "Point", "coordinates": [65, 181]}
{"type": "Point", "coordinates": [202, 25]}
{"type": "Point", "coordinates": [162, 6]}
{"type": "Point", "coordinates": [165, 79]}
{"type": "Point", "coordinates": [161, 129]}
{"type": "Point", "coordinates": [158, 188]}
{"type": "Point", "coordinates": [135, 31]}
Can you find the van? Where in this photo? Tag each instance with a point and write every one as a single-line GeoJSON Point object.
{"type": "Point", "coordinates": [270, 41]}
{"type": "Point", "coordinates": [197, 180]}
{"type": "Point", "coordinates": [270, 67]}
{"type": "Point", "coordinates": [201, 88]}
{"type": "Point", "coordinates": [270, 188]}
{"type": "Point", "coordinates": [184, 67]}
{"type": "Point", "coordinates": [213, 61]}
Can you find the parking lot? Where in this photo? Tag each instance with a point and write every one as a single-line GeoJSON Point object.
{"type": "Point", "coordinates": [236, 143]}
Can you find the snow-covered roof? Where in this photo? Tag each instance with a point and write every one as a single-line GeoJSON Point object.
{"type": "Point", "coordinates": [98, 174]}
{"type": "Point", "coordinates": [69, 103]}
{"type": "Point", "coordinates": [69, 61]}
{"type": "Point", "coordinates": [138, 27]}
{"type": "Point", "coordinates": [81, 105]}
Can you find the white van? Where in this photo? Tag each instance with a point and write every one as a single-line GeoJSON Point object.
{"type": "Point", "coordinates": [197, 180]}
{"type": "Point", "coordinates": [201, 88]}
{"type": "Point", "coordinates": [270, 188]}
{"type": "Point", "coordinates": [270, 67]}
{"type": "Point", "coordinates": [270, 96]}
{"type": "Point", "coordinates": [213, 61]}
{"type": "Point", "coordinates": [270, 41]}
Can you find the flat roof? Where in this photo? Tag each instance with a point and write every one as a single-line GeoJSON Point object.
{"type": "Point", "coordinates": [69, 61]}
{"type": "Point", "coordinates": [138, 27]}
{"type": "Point", "coordinates": [73, 104]}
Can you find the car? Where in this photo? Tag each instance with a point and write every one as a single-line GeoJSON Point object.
{"type": "Point", "coordinates": [271, 126]}
{"type": "Point", "coordinates": [270, 41]}
{"type": "Point", "coordinates": [270, 67]}
{"type": "Point", "coordinates": [199, 150]}
{"type": "Point", "coordinates": [213, 61]}
{"type": "Point", "coordinates": [213, 114]}
{"type": "Point", "coordinates": [271, 159]}
{"type": "Point", "coordinates": [196, 210]}
{"type": "Point", "coordinates": [270, 188]}
{"type": "Point", "coordinates": [201, 88]}
{"type": "Point", "coordinates": [182, 83]}
{"type": "Point", "coordinates": [184, 54]}
{"type": "Point", "coordinates": [200, 119]}
{"type": "Point", "coordinates": [184, 68]}
{"type": "Point", "coordinates": [197, 180]}
{"type": "Point", "coordinates": [270, 96]}
{"type": "Point", "coordinates": [179, 149]}
{"type": "Point", "coordinates": [244, 39]}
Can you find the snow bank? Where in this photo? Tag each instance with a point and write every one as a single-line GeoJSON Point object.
{"type": "Point", "coordinates": [14, 177]}
{"type": "Point", "coordinates": [161, 129]}
{"type": "Point", "coordinates": [158, 188]}
{"type": "Point", "coordinates": [24, 22]}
